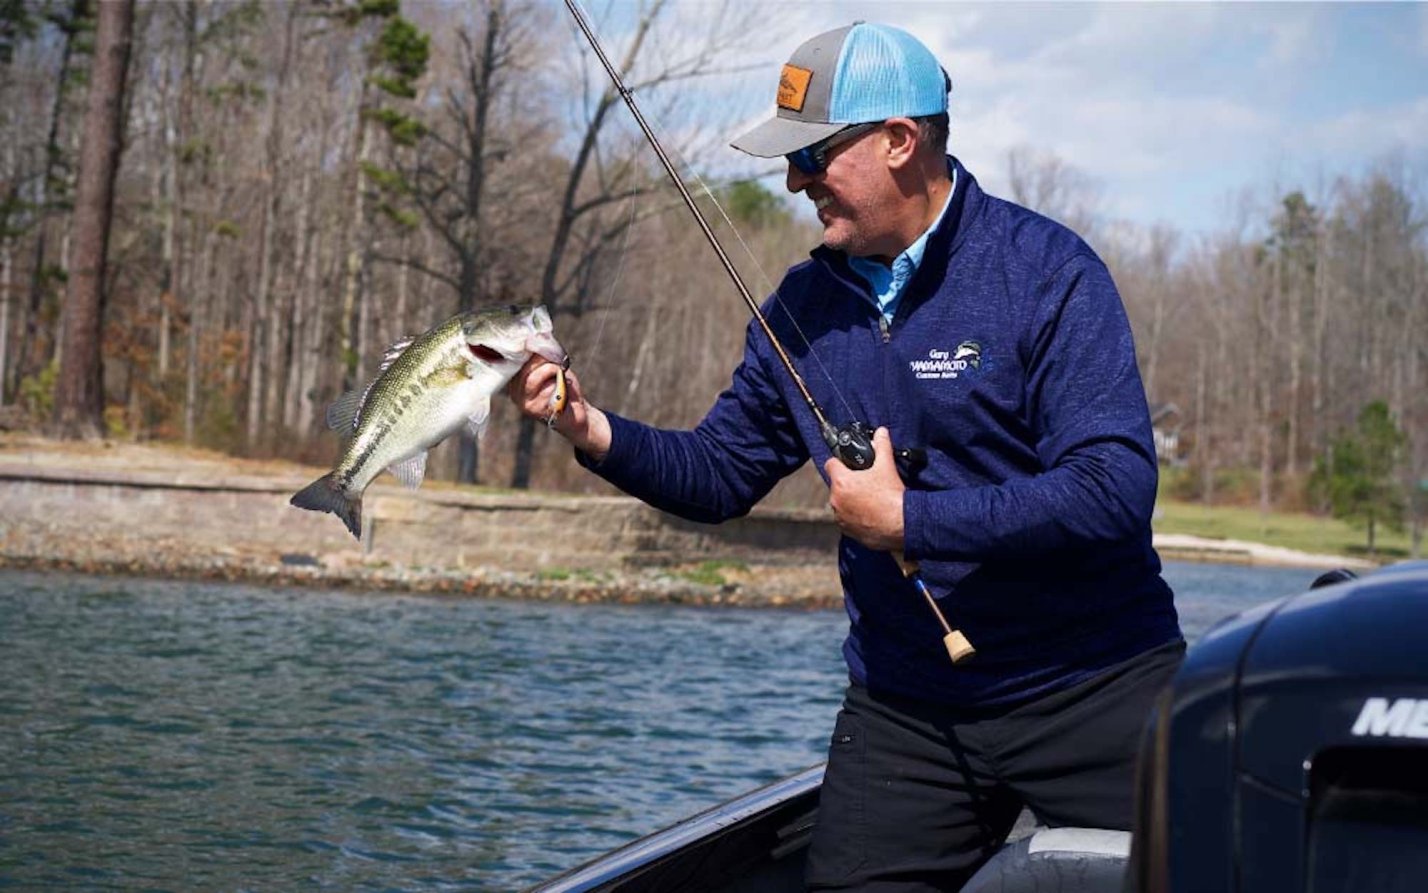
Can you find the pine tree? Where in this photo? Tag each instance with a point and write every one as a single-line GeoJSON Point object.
{"type": "Point", "coordinates": [1358, 475]}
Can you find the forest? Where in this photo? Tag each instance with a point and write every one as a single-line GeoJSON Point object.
{"type": "Point", "coordinates": [214, 216]}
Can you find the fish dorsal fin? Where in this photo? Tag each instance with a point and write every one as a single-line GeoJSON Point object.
{"type": "Point", "coordinates": [476, 421]}
{"type": "Point", "coordinates": [342, 413]}
{"type": "Point", "coordinates": [410, 471]}
{"type": "Point", "coordinates": [394, 351]}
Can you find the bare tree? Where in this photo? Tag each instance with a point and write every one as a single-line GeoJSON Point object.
{"type": "Point", "coordinates": [79, 397]}
{"type": "Point", "coordinates": [450, 176]}
{"type": "Point", "coordinates": [1047, 184]}
{"type": "Point", "coordinates": [599, 178]}
{"type": "Point", "coordinates": [53, 187]}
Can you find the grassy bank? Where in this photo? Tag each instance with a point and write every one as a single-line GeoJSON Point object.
{"type": "Point", "coordinates": [1306, 533]}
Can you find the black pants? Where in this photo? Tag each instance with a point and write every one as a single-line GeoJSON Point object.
{"type": "Point", "coordinates": [916, 797]}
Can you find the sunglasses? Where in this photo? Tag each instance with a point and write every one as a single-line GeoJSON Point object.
{"type": "Point", "coordinates": [813, 159]}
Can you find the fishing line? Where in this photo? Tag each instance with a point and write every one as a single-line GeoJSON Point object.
{"type": "Point", "coordinates": [768, 285]}
{"type": "Point", "coordinates": [852, 443]}
{"type": "Point", "coordinates": [835, 437]}
{"type": "Point", "coordinates": [619, 271]}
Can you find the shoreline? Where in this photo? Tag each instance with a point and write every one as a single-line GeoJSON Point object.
{"type": "Point", "coordinates": [810, 586]}
{"type": "Point", "coordinates": [156, 511]}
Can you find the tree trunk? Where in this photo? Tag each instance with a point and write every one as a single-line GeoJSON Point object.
{"type": "Point", "coordinates": [32, 356]}
{"type": "Point", "coordinates": [294, 420]}
{"type": "Point", "coordinates": [272, 357]}
{"type": "Point", "coordinates": [7, 274]}
{"type": "Point", "coordinates": [79, 398]}
{"type": "Point", "coordinates": [356, 233]}
{"type": "Point", "coordinates": [550, 289]}
{"type": "Point", "coordinates": [480, 76]}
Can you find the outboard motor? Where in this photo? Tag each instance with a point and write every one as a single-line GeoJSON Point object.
{"type": "Point", "coordinates": [1291, 751]}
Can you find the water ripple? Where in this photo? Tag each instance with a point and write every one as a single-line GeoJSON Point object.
{"type": "Point", "coordinates": [169, 735]}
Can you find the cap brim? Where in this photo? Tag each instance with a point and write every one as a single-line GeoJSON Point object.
{"type": "Point", "coordinates": [780, 136]}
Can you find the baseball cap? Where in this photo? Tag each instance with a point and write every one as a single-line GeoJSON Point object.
{"type": "Point", "coordinates": [850, 75]}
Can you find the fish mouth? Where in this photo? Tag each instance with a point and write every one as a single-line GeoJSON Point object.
{"type": "Point", "coordinates": [545, 345]}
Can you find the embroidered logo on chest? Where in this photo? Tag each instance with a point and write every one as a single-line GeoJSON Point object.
{"type": "Point", "coordinates": [964, 360]}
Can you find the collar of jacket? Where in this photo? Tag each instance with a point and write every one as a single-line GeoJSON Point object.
{"type": "Point", "coordinates": [944, 241]}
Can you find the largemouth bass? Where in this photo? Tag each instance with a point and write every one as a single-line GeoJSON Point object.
{"type": "Point", "coordinates": [426, 389]}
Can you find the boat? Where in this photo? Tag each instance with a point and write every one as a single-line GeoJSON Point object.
{"type": "Point", "coordinates": [1290, 753]}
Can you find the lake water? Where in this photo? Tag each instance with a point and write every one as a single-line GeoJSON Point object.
{"type": "Point", "coordinates": [179, 736]}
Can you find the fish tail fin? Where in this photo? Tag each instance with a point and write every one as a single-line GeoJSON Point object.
{"type": "Point", "coordinates": [326, 495]}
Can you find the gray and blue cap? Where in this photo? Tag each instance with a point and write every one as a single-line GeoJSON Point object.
{"type": "Point", "coordinates": [850, 75]}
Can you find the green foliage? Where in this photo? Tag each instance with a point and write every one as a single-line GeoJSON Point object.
{"type": "Point", "coordinates": [116, 427]}
{"type": "Point", "coordinates": [195, 151]}
{"type": "Point", "coordinates": [378, 8]}
{"type": "Point", "coordinates": [403, 50]}
{"type": "Point", "coordinates": [399, 59]}
{"type": "Point", "coordinates": [383, 178]}
{"type": "Point", "coordinates": [75, 19]}
{"type": "Point", "coordinates": [1231, 485]}
{"type": "Point", "coordinates": [749, 203]}
{"type": "Point", "coordinates": [403, 218]}
{"type": "Point", "coordinates": [1315, 534]}
{"type": "Point", "coordinates": [227, 229]}
{"type": "Point", "coordinates": [710, 573]}
{"type": "Point", "coordinates": [233, 22]}
{"type": "Point", "coordinates": [53, 274]}
{"type": "Point", "coordinates": [1357, 476]}
{"type": "Point", "coordinates": [37, 392]}
{"type": "Point", "coordinates": [16, 216]}
{"type": "Point", "coordinates": [18, 23]}
{"type": "Point", "coordinates": [404, 129]}
{"type": "Point", "coordinates": [218, 426]}
{"type": "Point", "coordinates": [237, 90]}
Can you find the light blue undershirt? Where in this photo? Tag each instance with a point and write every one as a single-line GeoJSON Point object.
{"type": "Point", "coordinates": [888, 282]}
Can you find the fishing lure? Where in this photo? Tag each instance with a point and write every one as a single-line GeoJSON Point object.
{"type": "Point", "coordinates": [560, 397]}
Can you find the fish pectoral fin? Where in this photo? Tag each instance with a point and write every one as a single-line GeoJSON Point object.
{"type": "Point", "coordinates": [410, 471]}
{"type": "Point", "coordinates": [342, 414]}
{"type": "Point", "coordinates": [476, 421]}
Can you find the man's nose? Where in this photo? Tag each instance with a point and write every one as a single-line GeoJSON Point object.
{"type": "Point", "coordinates": [797, 180]}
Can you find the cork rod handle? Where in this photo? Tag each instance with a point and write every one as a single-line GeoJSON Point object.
{"type": "Point", "coordinates": [959, 648]}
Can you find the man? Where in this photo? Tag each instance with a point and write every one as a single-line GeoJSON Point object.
{"type": "Point", "coordinates": [993, 339]}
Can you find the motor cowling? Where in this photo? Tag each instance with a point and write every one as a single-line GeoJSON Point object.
{"type": "Point", "coordinates": [1291, 751]}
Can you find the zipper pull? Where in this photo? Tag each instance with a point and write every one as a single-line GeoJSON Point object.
{"type": "Point", "coordinates": [883, 327]}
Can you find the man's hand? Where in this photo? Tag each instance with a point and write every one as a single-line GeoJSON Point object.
{"type": "Point", "coordinates": [581, 423]}
{"type": "Point", "coordinates": [868, 504]}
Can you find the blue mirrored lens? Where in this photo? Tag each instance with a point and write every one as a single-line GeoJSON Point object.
{"type": "Point", "coordinates": [807, 159]}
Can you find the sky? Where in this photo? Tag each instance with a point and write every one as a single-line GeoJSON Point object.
{"type": "Point", "coordinates": [1173, 110]}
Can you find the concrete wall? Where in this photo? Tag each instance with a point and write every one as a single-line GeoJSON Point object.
{"type": "Point", "coordinates": [429, 527]}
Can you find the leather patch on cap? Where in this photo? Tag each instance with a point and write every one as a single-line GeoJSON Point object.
{"type": "Point", "coordinates": [793, 87]}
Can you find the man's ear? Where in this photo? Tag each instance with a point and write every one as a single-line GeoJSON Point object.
{"type": "Point", "coordinates": [900, 137]}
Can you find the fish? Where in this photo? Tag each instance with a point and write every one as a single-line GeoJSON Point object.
{"type": "Point", "coordinates": [427, 388]}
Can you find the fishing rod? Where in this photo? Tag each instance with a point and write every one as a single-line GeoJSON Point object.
{"type": "Point", "coordinates": [852, 443]}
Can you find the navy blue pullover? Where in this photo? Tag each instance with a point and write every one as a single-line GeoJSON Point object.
{"type": "Point", "coordinates": [1010, 362]}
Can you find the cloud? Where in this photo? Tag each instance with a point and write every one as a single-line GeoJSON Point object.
{"type": "Point", "coordinates": [1161, 103]}
{"type": "Point", "coordinates": [1371, 131]}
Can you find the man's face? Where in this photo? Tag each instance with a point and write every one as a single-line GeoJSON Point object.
{"type": "Point", "coordinates": [853, 197]}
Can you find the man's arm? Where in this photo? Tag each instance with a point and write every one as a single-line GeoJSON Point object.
{"type": "Point", "coordinates": [745, 444]}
